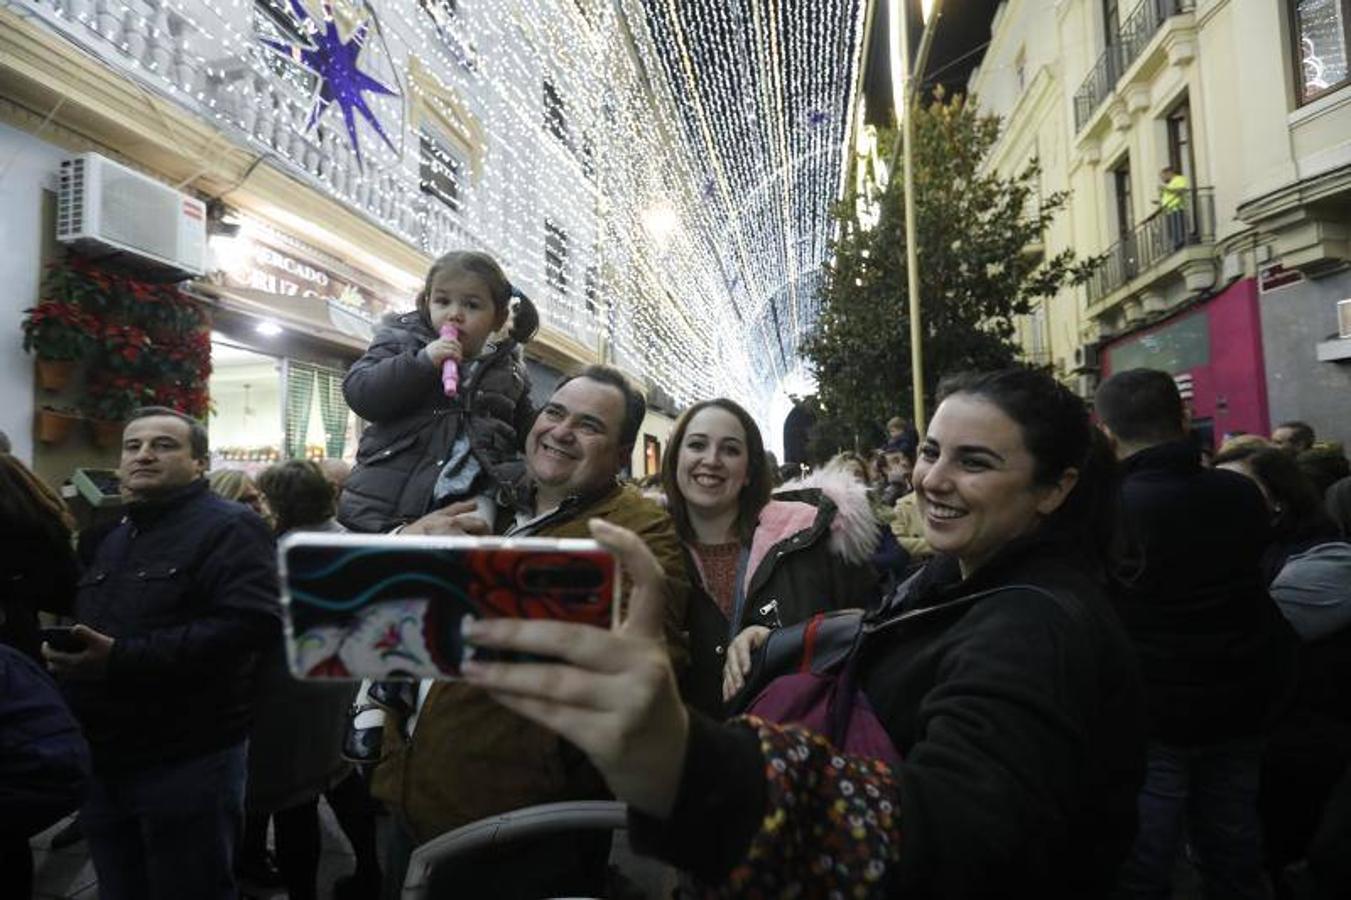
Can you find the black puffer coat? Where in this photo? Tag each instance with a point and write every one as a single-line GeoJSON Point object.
{"type": "Point", "coordinates": [398, 390]}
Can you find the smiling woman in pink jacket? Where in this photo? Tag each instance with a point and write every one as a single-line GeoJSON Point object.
{"type": "Point", "coordinates": [763, 561]}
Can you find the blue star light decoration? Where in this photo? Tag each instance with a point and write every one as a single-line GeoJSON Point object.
{"type": "Point", "coordinates": [335, 62]}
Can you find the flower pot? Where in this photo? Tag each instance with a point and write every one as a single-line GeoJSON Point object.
{"type": "Point", "coordinates": [54, 427]}
{"type": "Point", "coordinates": [54, 374]}
{"type": "Point", "coordinates": [107, 433]}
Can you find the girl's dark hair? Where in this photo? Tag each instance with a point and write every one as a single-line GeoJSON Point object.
{"type": "Point", "coordinates": [1297, 507]}
{"type": "Point", "coordinates": [298, 493]}
{"type": "Point", "coordinates": [753, 496]}
{"type": "Point", "coordinates": [1059, 435]}
{"type": "Point", "coordinates": [524, 315]}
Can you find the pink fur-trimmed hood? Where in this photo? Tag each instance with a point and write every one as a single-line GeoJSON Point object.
{"type": "Point", "coordinates": [793, 511]}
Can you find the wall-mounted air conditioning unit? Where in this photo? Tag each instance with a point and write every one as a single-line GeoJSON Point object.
{"type": "Point", "coordinates": [1344, 318]}
{"type": "Point", "coordinates": [108, 210]}
{"type": "Point", "coordinates": [1086, 358]}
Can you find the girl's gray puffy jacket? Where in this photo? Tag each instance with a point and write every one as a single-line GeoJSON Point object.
{"type": "Point", "coordinates": [396, 388]}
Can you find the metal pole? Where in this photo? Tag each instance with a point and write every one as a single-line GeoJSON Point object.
{"type": "Point", "coordinates": [911, 262]}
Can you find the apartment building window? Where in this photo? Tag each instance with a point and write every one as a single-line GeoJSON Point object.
{"type": "Point", "coordinates": [1111, 22]}
{"type": "Point", "coordinates": [1020, 68]}
{"type": "Point", "coordinates": [1121, 187]}
{"type": "Point", "coordinates": [591, 290]}
{"type": "Point", "coordinates": [555, 256]}
{"type": "Point", "coordinates": [1321, 30]}
{"type": "Point", "coordinates": [555, 118]}
{"type": "Point", "coordinates": [1179, 125]}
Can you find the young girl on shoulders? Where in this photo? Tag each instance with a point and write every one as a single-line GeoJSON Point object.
{"type": "Point", "coordinates": [448, 406]}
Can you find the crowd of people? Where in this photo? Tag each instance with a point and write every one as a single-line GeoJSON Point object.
{"type": "Point", "coordinates": [1080, 648]}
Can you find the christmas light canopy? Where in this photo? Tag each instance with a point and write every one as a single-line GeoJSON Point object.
{"type": "Point", "coordinates": [655, 174]}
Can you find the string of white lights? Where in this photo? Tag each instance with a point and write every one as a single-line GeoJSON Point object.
{"type": "Point", "coordinates": [666, 197]}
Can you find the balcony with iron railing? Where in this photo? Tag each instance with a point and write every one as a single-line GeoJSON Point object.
{"type": "Point", "coordinates": [1151, 245]}
{"type": "Point", "coordinates": [1130, 42]}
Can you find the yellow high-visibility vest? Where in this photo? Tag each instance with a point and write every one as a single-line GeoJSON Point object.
{"type": "Point", "coordinates": [1173, 195]}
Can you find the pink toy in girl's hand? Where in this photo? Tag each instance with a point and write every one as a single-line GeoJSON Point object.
{"type": "Point", "coordinates": [450, 370]}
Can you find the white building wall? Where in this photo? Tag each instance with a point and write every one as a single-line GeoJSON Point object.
{"type": "Point", "coordinates": [27, 173]}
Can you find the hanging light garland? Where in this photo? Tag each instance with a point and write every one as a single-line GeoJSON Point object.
{"type": "Point", "coordinates": [688, 155]}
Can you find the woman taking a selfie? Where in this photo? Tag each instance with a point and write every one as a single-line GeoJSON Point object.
{"type": "Point", "coordinates": [762, 561]}
{"type": "Point", "coordinates": [1003, 680]}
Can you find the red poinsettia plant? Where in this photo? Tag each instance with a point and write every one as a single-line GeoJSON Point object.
{"type": "Point", "coordinates": [113, 397]}
{"type": "Point", "coordinates": [124, 346]}
{"type": "Point", "coordinates": [58, 330]}
{"type": "Point", "coordinates": [144, 343]}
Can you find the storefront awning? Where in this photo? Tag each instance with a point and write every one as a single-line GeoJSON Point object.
{"type": "Point", "coordinates": [325, 319]}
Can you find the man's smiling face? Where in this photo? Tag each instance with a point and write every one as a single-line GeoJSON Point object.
{"type": "Point", "coordinates": [573, 447]}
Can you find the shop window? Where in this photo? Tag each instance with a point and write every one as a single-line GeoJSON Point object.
{"type": "Point", "coordinates": [555, 256]}
{"type": "Point", "coordinates": [318, 424]}
{"type": "Point", "coordinates": [245, 425]}
{"type": "Point", "coordinates": [1179, 347]}
{"type": "Point", "coordinates": [1321, 32]}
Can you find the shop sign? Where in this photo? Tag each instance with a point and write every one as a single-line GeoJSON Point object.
{"type": "Point", "coordinates": [1275, 277]}
{"type": "Point", "coordinates": [263, 262]}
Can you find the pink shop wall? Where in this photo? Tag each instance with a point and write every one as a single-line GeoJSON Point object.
{"type": "Point", "coordinates": [1218, 344]}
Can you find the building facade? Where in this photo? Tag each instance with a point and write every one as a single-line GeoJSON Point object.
{"type": "Point", "coordinates": [527, 128]}
{"type": "Point", "coordinates": [1234, 259]}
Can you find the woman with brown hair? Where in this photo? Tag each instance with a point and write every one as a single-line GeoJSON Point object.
{"type": "Point", "coordinates": [38, 569]}
{"type": "Point", "coordinates": [763, 561]}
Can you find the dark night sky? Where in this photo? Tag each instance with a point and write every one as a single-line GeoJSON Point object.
{"type": "Point", "coordinates": [963, 30]}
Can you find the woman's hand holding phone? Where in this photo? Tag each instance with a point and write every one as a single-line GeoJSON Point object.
{"type": "Point", "coordinates": [613, 694]}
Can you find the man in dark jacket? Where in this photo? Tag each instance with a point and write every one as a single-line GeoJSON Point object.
{"type": "Point", "coordinates": [1215, 654]}
{"type": "Point", "coordinates": [178, 600]}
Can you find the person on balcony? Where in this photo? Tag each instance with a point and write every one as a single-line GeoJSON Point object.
{"type": "Point", "coordinates": [1173, 189]}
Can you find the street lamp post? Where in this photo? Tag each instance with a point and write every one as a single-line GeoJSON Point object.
{"type": "Point", "coordinates": [900, 30]}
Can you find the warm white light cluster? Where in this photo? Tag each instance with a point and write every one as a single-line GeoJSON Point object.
{"type": "Point", "coordinates": [684, 153]}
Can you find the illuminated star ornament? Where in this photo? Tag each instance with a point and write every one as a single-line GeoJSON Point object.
{"type": "Point", "coordinates": [334, 61]}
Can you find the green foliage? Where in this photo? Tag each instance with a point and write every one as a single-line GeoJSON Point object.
{"type": "Point", "coordinates": [975, 275]}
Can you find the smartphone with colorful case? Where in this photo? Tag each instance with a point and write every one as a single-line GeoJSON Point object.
{"type": "Point", "coordinates": [389, 607]}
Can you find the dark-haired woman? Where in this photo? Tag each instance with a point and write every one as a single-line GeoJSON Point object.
{"type": "Point", "coordinates": [294, 751]}
{"type": "Point", "coordinates": [1004, 680]}
{"type": "Point", "coordinates": [1309, 574]}
{"type": "Point", "coordinates": [763, 561]}
{"type": "Point", "coordinates": [37, 568]}
{"type": "Point", "coordinates": [1298, 517]}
